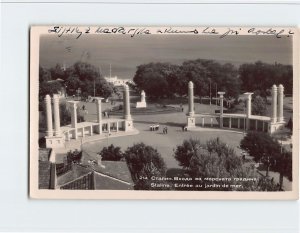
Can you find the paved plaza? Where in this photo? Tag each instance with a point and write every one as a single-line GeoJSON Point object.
{"type": "Point", "coordinates": [165, 143]}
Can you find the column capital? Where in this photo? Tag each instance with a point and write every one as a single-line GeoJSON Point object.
{"type": "Point", "coordinates": [280, 88]}
{"type": "Point", "coordinates": [47, 98]}
{"type": "Point", "coordinates": [221, 93]}
{"type": "Point", "coordinates": [191, 84]}
{"type": "Point", "coordinates": [55, 97]}
{"type": "Point", "coordinates": [274, 88]}
{"type": "Point", "coordinates": [99, 99]}
{"type": "Point", "coordinates": [73, 104]}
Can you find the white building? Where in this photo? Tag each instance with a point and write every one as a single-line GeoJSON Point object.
{"type": "Point", "coordinates": [117, 81]}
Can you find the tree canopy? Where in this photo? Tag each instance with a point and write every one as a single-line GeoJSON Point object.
{"type": "Point", "coordinates": [80, 75]}
{"type": "Point", "coordinates": [215, 159]}
{"type": "Point", "coordinates": [144, 162]}
{"type": "Point", "coordinates": [261, 76]}
{"type": "Point", "coordinates": [111, 153]}
{"type": "Point", "coordinates": [165, 79]}
{"type": "Point", "coordinates": [261, 146]}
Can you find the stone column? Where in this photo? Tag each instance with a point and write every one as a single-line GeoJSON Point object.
{"type": "Point", "coordinates": [229, 122]}
{"type": "Point", "coordinates": [248, 96]}
{"type": "Point", "coordinates": [202, 121]}
{"type": "Point", "coordinates": [191, 98]}
{"type": "Point", "coordinates": [56, 115]}
{"type": "Point", "coordinates": [99, 109]}
{"type": "Point", "coordinates": [222, 107]}
{"type": "Point", "coordinates": [126, 98]}
{"type": "Point", "coordinates": [274, 104]}
{"type": "Point", "coordinates": [49, 116]}
{"type": "Point", "coordinates": [91, 130]}
{"type": "Point", "coordinates": [73, 106]}
{"type": "Point", "coordinates": [280, 104]}
{"type": "Point", "coordinates": [239, 123]}
{"type": "Point", "coordinates": [117, 126]}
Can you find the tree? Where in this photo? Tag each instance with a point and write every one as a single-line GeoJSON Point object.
{"type": "Point", "coordinates": [259, 106]}
{"type": "Point", "coordinates": [266, 149]}
{"type": "Point", "coordinates": [152, 78]}
{"type": "Point", "coordinates": [259, 145]}
{"type": "Point", "coordinates": [261, 76]}
{"type": "Point", "coordinates": [144, 162]}
{"type": "Point", "coordinates": [165, 80]}
{"type": "Point", "coordinates": [87, 77]}
{"type": "Point", "coordinates": [215, 159]}
{"type": "Point", "coordinates": [111, 153]}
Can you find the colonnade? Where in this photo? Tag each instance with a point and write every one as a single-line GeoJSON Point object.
{"type": "Point", "coordinates": [79, 129]}
{"type": "Point", "coordinates": [270, 124]}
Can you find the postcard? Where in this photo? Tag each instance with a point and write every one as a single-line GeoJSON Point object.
{"type": "Point", "coordinates": [169, 112]}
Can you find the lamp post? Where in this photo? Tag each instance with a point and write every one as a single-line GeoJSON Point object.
{"type": "Point", "coordinates": [209, 92]}
{"type": "Point", "coordinates": [244, 107]}
{"type": "Point", "coordinates": [216, 94]}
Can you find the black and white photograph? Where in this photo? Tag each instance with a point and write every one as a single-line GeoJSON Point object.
{"type": "Point", "coordinates": [163, 112]}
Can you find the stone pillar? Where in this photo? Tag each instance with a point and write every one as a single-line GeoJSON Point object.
{"type": "Point", "coordinates": [211, 122]}
{"type": "Point", "coordinates": [108, 127]}
{"type": "Point", "coordinates": [91, 130]}
{"type": "Point", "coordinates": [49, 131]}
{"type": "Point", "coordinates": [56, 115]}
{"type": "Point", "coordinates": [280, 118]}
{"type": "Point", "coordinates": [222, 107]}
{"type": "Point", "coordinates": [191, 98]}
{"type": "Point", "coordinates": [117, 126]}
{"type": "Point", "coordinates": [99, 109]}
{"type": "Point", "coordinates": [202, 121]}
{"type": "Point", "coordinates": [229, 122]}
{"type": "Point", "coordinates": [239, 123]}
{"type": "Point", "coordinates": [126, 98]}
{"type": "Point", "coordinates": [274, 104]}
{"type": "Point", "coordinates": [248, 96]}
{"type": "Point", "coordinates": [128, 123]}
{"type": "Point", "coordinates": [73, 106]}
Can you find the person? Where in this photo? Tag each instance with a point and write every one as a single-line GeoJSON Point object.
{"type": "Point", "coordinates": [83, 107]}
{"type": "Point", "coordinates": [166, 130]}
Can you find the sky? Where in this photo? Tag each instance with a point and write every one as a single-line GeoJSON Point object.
{"type": "Point", "coordinates": [125, 53]}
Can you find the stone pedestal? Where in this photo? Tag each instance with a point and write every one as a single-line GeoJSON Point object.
{"type": "Point", "coordinates": [142, 103]}
{"type": "Point", "coordinates": [128, 125]}
{"type": "Point", "coordinates": [275, 127]}
{"type": "Point", "coordinates": [55, 142]}
{"type": "Point", "coordinates": [191, 122]}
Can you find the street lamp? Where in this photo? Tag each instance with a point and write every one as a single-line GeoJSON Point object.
{"type": "Point", "coordinates": [244, 108]}
{"type": "Point", "coordinates": [210, 92]}
{"type": "Point", "coordinates": [216, 94]}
